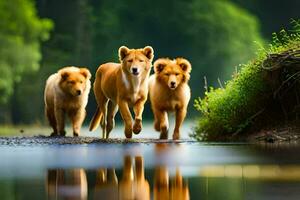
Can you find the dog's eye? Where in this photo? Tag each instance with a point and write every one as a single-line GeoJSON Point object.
{"type": "Point", "coordinates": [70, 82]}
{"type": "Point", "coordinates": [80, 81]}
{"type": "Point", "coordinates": [141, 60]}
{"type": "Point", "coordinates": [130, 61]}
{"type": "Point", "coordinates": [176, 74]}
{"type": "Point", "coordinates": [167, 74]}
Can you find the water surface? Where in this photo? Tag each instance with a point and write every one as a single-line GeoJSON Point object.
{"type": "Point", "coordinates": [150, 171]}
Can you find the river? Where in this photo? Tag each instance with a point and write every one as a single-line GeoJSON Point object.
{"type": "Point", "coordinates": [186, 170]}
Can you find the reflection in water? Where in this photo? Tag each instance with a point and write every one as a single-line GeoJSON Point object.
{"type": "Point", "coordinates": [133, 184]}
{"type": "Point", "coordinates": [164, 186]}
{"type": "Point", "coordinates": [72, 183]}
{"type": "Point", "coordinates": [106, 184]}
{"type": "Point", "coordinates": [151, 172]}
{"type": "Point", "coordinates": [67, 184]}
{"type": "Point", "coordinates": [176, 188]}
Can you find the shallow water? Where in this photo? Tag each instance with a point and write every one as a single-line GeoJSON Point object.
{"type": "Point", "coordinates": [150, 171]}
{"type": "Point", "coordinates": [188, 170]}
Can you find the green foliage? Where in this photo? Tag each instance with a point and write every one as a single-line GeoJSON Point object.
{"type": "Point", "coordinates": [230, 110]}
{"type": "Point", "coordinates": [21, 32]}
{"type": "Point", "coordinates": [221, 35]}
{"type": "Point", "coordinates": [211, 34]}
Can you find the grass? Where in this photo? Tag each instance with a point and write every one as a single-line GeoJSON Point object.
{"type": "Point", "coordinates": [229, 110]}
{"type": "Point", "coordinates": [23, 130]}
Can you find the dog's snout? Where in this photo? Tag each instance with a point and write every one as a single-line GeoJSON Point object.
{"type": "Point", "coordinates": [78, 92]}
{"type": "Point", "coordinates": [173, 83]}
{"type": "Point", "coordinates": [134, 70]}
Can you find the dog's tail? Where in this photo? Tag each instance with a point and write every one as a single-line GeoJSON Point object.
{"type": "Point", "coordinates": [96, 119]}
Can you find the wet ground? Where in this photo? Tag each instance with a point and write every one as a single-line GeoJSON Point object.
{"type": "Point", "coordinates": [90, 168]}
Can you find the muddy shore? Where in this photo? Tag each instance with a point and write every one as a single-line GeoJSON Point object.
{"type": "Point", "coordinates": [46, 140]}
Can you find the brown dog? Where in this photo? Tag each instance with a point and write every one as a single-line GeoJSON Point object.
{"type": "Point", "coordinates": [169, 91]}
{"type": "Point", "coordinates": [122, 85]}
{"type": "Point", "coordinates": [66, 92]}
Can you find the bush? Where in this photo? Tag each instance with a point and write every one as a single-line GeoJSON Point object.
{"type": "Point", "coordinates": [229, 110]}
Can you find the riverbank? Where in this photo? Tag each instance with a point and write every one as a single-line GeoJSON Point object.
{"type": "Point", "coordinates": [47, 140]}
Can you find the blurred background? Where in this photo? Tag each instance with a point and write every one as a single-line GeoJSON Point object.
{"type": "Point", "coordinates": [37, 37]}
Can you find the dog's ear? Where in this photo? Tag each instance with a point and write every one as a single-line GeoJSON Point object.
{"type": "Point", "coordinates": [148, 52]}
{"type": "Point", "coordinates": [64, 74]}
{"type": "Point", "coordinates": [159, 65]}
{"type": "Point", "coordinates": [86, 73]}
{"type": "Point", "coordinates": [123, 52]}
{"type": "Point", "coordinates": [184, 64]}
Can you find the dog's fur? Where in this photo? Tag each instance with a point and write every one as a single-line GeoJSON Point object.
{"type": "Point", "coordinates": [169, 91]}
{"type": "Point", "coordinates": [66, 92]}
{"type": "Point", "coordinates": [122, 85]}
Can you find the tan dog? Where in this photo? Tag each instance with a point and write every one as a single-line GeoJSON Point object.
{"type": "Point", "coordinates": [67, 92]}
{"type": "Point", "coordinates": [169, 91]}
{"type": "Point", "coordinates": [122, 85]}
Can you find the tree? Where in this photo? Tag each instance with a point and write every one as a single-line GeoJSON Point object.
{"type": "Point", "coordinates": [21, 32]}
{"type": "Point", "coordinates": [70, 44]}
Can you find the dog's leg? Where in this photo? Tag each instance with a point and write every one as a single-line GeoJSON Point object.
{"type": "Point", "coordinates": [180, 115]}
{"type": "Point", "coordinates": [156, 120]}
{"type": "Point", "coordinates": [126, 115]}
{"type": "Point", "coordinates": [103, 109]}
{"type": "Point", "coordinates": [51, 118]}
{"type": "Point", "coordinates": [112, 109]}
{"type": "Point", "coordinates": [77, 120]}
{"type": "Point", "coordinates": [102, 103]}
{"type": "Point", "coordinates": [138, 109]}
{"type": "Point", "coordinates": [164, 126]}
{"type": "Point", "coordinates": [60, 120]}
{"type": "Point", "coordinates": [161, 123]}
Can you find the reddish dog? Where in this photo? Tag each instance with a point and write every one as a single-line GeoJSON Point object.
{"type": "Point", "coordinates": [169, 91]}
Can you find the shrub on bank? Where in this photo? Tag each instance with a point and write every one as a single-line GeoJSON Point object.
{"type": "Point", "coordinates": [228, 111]}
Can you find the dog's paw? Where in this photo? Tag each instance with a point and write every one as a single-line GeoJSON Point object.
{"type": "Point", "coordinates": [54, 134]}
{"type": "Point", "coordinates": [62, 133]}
{"type": "Point", "coordinates": [163, 133]}
{"type": "Point", "coordinates": [75, 134]}
{"type": "Point", "coordinates": [176, 136]}
{"type": "Point", "coordinates": [128, 132]}
{"type": "Point", "coordinates": [137, 126]}
{"type": "Point", "coordinates": [157, 126]}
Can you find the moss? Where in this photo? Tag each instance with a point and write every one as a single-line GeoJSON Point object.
{"type": "Point", "coordinates": [229, 110]}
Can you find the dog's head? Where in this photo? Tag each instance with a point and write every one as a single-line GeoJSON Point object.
{"type": "Point", "coordinates": [172, 72]}
{"type": "Point", "coordinates": [73, 80]}
{"type": "Point", "coordinates": [136, 61]}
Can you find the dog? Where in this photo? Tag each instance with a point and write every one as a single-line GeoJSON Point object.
{"type": "Point", "coordinates": [169, 91]}
{"type": "Point", "coordinates": [66, 93]}
{"type": "Point", "coordinates": [120, 86]}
